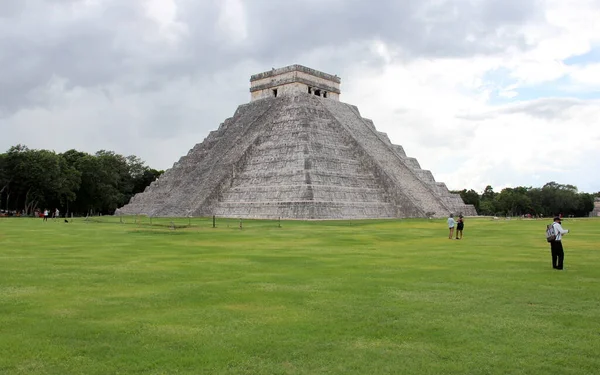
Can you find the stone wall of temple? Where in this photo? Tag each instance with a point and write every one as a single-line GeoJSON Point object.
{"type": "Point", "coordinates": [294, 79]}
{"type": "Point", "coordinates": [292, 88]}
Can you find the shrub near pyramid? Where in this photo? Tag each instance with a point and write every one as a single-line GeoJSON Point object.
{"type": "Point", "coordinates": [295, 151]}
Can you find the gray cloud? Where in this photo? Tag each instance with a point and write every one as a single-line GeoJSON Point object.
{"type": "Point", "coordinates": [101, 77]}
{"type": "Point", "coordinates": [419, 28]}
{"type": "Point", "coordinates": [545, 108]}
{"type": "Point", "coordinates": [109, 43]}
{"type": "Point", "coordinates": [11, 9]}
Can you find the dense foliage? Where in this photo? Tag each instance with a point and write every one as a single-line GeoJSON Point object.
{"type": "Point", "coordinates": [74, 181]}
{"type": "Point", "coordinates": [549, 200]}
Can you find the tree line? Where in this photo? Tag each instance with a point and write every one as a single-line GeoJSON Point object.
{"type": "Point", "coordinates": [74, 181]}
{"type": "Point", "coordinates": [549, 200]}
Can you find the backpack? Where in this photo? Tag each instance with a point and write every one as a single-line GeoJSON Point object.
{"type": "Point", "coordinates": [550, 233]}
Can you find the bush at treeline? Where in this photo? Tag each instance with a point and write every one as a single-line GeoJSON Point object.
{"type": "Point", "coordinates": [74, 181]}
{"type": "Point", "coordinates": [550, 200]}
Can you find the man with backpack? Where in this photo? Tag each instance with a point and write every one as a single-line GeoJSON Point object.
{"type": "Point", "coordinates": [554, 235]}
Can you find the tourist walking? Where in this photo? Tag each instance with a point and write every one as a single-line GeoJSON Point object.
{"type": "Point", "coordinates": [556, 247]}
{"type": "Point", "coordinates": [46, 215]}
{"type": "Point", "coordinates": [451, 224]}
{"type": "Point", "coordinates": [459, 227]}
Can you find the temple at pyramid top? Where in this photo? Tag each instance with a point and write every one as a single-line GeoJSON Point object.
{"type": "Point", "coordinates": [292, 80]}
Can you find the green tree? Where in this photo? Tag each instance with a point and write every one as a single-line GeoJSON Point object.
{"type": "Point", "coordinates": [488, 204]}
{"type": "Point", "coordinates": [68, 183]}
{"type": "Point", "coordinates": [90, 195]}
{"type": "Point", "coordinates": [84, 183]}
{"type": "Point", "coordinates": [535, 196]}
{"type": "Point", "coordinates": [4, 178]}
{"type": "Point", "coordinates": [585, 204]}
{"type": "Point", "coordinates": [488, 193]}
{"type": "Point", "coordinates": [16, 164]}
{"type": "Point", "coordinates": [559, 199]}
{"type": "Point", "coordinates": [514, 201]}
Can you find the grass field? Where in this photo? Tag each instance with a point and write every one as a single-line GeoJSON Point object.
{"type": "Point", "coordinates": [362, 297]}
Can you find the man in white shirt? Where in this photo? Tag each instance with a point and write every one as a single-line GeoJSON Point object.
{"type": "Point", "coordinates": [556, 247]}
{"type": "Point", "coordinates": [451, 224]}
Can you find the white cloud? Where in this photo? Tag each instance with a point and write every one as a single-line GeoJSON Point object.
{"type": "Point", "coordinates": [568, 29]}
{"type": "Point", "coordinates": [232, 21]}
{"type": "Point", "coordinates": [164, 13]}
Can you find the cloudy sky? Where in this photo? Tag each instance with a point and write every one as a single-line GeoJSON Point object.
{"type": "Point", "coordinates": [500, 92]}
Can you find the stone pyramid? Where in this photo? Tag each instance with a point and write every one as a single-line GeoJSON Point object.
{"type": "Point", "coordinates": [295, 151]}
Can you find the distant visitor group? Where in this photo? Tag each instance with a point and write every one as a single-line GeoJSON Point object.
{"type": "Point", "coordinates": [460, 225]}
{"type": "Point", "coordinates": [46, 214]}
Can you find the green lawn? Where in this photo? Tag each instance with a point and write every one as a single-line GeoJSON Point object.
{"type": "Point", "coordinates": [362, 297]}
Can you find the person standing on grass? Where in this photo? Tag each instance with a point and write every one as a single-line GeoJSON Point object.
{"type": "Point", "coordinates": [460, 226]}
{"type": "Point", "coordinates": [451, 224]}
{"type": "Point", "coordinates": [46, 215]}
{"type": "Point", "coordinates": [556, 247]}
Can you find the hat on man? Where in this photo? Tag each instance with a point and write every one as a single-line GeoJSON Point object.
{"type": "Point", "coordinates": [557, 218]}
